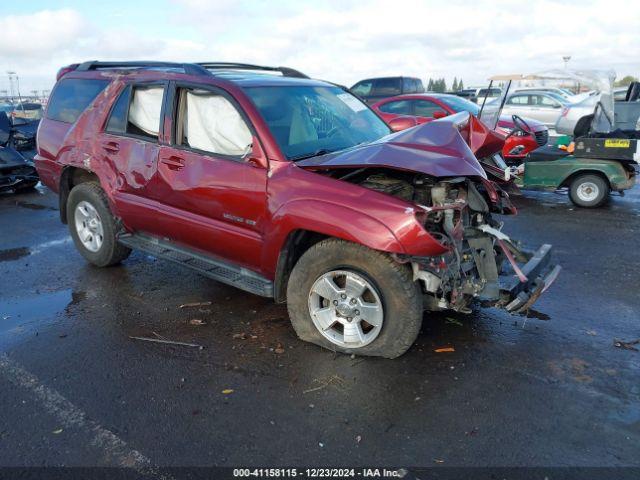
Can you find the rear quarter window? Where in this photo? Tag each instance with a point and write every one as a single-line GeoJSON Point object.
{"type": "Point", "coordinates": [71, 96]}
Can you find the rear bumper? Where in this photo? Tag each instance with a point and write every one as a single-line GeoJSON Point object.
{"type": "Point", "coordinates": [518, 293]}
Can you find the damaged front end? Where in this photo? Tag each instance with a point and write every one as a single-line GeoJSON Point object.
{"type": "Point", "coordinates": [434, 168]}
{"type": "Point", "coordinates": [482, 262]}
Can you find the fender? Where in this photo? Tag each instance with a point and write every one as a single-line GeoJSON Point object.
{"type": "Point", "coordinates": [325, 218]}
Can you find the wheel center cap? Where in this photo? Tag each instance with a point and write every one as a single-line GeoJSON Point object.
{"type": "Point", "coordinates": [344, 309]}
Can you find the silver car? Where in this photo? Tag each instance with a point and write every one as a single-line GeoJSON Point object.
{"type": "Point", "coordinates": [572, 113]}
{"type": "Point", "coordinates": [546, 107]}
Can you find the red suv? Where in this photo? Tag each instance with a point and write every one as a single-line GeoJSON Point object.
{"type": "Point", "coordinates": [286, 187]}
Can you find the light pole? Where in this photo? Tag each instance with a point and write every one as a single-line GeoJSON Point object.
{"type": "Point", "coordinates": [10, 74]}
{"type": "Point", "coordinates": [566, 59]}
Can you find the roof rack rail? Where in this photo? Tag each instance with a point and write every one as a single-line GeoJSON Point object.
{"type": "Point", "coordinates": [285, 71]}
{"type": "Point", "coordinates": [189, 68]}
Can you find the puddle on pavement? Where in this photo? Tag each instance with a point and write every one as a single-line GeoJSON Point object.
{"type": "Point", "coordinates": [12, 254]}
{"type": "Point", "coordinates": [15, 313]}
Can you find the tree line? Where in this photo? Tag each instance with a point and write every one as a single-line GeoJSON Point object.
{"type": "Point", "coordinates": [440, 85]}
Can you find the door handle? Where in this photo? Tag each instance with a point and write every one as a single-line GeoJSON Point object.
{"type": "Point", "coordinates": [173, 162]}
{"type": "Point", "coordinates": [111, 147]}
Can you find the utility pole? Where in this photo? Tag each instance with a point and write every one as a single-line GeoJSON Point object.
{"type": "Point", "coordinates": [10, 74]}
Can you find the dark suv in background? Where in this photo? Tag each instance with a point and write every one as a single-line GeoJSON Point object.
{"type": "Point", "coordinates": [373, 90]}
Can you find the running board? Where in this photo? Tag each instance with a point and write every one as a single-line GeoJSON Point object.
{"type": "Point", "coordinates": [211, 267]}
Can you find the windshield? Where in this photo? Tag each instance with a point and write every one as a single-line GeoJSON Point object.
{"type": "Point", "coordinates": [458, 104]}
{"type": "Point", "coordinates": [308, 121]}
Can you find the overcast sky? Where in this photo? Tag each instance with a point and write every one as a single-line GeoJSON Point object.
{"type": "Point", "coordinates": [338, 40]}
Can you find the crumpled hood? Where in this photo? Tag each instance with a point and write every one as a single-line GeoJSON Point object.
{"type": "Point", "coordinates": [436, 148]}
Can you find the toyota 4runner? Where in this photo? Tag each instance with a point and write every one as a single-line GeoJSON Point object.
{"type": "Point", "coordinates": [289, 188]}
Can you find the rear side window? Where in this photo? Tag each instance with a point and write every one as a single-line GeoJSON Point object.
{"type": "Point", "coordinates": [145, 111]}
{"type": "Point", "coordinates": [518, 100]}
{"type": "Point", "coordinates": [400, 107]}
{"type": "Point", "coordinates": [387, 86]}
{"type": "Point", "coordinates": [118, 119]}
{"type": "Point", "coordinates": [72, 96]}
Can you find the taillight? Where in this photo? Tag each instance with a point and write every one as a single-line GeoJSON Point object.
{"type": "Point", "coordinates": [564, 112]}
{"type": "Point", "coordinates": [64, 70]}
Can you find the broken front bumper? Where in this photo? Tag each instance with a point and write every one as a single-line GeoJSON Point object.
{"type": "Point", "coordinates": [522, 286]}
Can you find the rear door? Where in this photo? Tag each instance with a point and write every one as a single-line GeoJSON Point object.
{"type": "Point", "coordinates": [130, 142]}
{"type": "Point", "coordinates": [206, 182]}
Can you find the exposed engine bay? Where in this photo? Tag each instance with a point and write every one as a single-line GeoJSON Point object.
{"type": "Point", "coordinates": [482, 262]}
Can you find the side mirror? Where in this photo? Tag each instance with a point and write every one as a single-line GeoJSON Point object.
{"type": "Point", "coordinates": [402, 123]}
{"type": "Point", "coordinates": [556, 105]}
{"type": "Point", "coordinates": [439, 114]}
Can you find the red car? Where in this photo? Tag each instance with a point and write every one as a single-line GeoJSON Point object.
{"type": "Point", "coordinates": [429, 106]}
{"type": "Point", "coordinates": [289, 188]}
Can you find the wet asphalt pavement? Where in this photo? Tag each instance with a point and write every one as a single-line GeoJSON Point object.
{"type": "Point", "coordinates": [550, 390]}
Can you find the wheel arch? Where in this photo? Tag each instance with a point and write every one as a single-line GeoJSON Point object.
{"type": "Point", "coordinates": [578, 173]}
{"type": "Point", "coordinates": [295, 245]}
{"type": "Point", "coordinates": [70, 177]}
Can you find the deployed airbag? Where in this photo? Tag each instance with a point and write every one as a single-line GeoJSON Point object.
{"type": "Point", "coordinates": [214, 125]}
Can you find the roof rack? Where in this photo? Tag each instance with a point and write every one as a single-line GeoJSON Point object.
{"type": "Point", "coordinates": [285, 71]}
{"type": "Point", "coordinates": [203, 68]}
{"type": "Point", "coordinates": [188, 68]}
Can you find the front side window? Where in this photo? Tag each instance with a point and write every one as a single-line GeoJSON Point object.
{"type": "Point", "coordinates": [425, 108]}
{"type": "Point", "coordinates": [71, 97]}
{"type": "Point", "coordinates": [209, 122]}
{"type": "Point", "coordinates": [409, 85]}
{"type": "Point", "coordinates": [546, 101]}
{"type": "Point", "coordinates": [399, 107]}
{"type": "Point", "coordinates": [145, 111]}
{"type": "Point", "coordinates": [312, 120]}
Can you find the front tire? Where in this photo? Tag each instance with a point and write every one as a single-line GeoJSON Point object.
{"type": "Point", "coordinates": [93, 227]}
{"type": "Point", "coordinates": [348, 298]}
{"type": "Point", "coordinates": [589, 191]}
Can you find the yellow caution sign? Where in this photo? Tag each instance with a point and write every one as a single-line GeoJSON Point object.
{"type": "Point", "coordinates": [617, 143]}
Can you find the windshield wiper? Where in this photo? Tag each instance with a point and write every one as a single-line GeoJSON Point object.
{"type": "Point", "coordinates": [321, 151]}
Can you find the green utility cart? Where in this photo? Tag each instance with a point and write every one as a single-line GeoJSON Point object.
{"type": "Point", "coordinates": [589, 177]}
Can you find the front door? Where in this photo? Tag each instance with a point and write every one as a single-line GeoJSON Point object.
{"type": "Point", "coordinates": [210, 188]}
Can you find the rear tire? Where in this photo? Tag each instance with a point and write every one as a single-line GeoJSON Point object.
{"type": "Point", "coordinates": [89, 217]}
{"type": "Point", "coordinates": [381, 281]}
{"type": "Point", "coordinates": [589, 191]}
